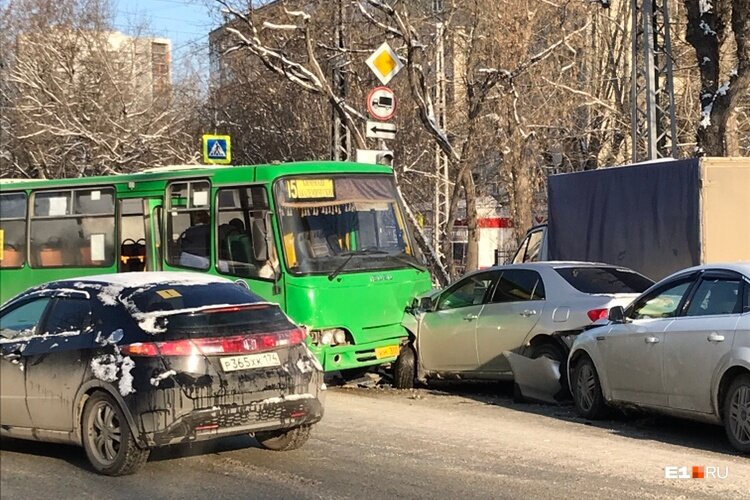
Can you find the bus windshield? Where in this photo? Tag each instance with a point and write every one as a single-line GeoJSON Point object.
{"type": "Point", "coordinates": [335, 221]}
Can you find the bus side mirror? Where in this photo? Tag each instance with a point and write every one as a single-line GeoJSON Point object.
{"type": "Point", "coordinates": [260, 244]}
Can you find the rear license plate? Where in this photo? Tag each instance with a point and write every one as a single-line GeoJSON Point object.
{"type": "Point", "coordinates": [389, 351]}
{"type": "Point", "coordinates": [249, 361]}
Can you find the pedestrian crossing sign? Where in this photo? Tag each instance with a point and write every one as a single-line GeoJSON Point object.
{"type": "Point", "coordinates": [217, 149]}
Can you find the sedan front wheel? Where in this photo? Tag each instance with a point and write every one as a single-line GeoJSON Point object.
{"type": "Point", "coordinates": [587, 391]}
{"type": "Point", "coordinates": [737, 413]}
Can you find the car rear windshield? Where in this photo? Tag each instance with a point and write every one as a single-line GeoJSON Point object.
{"type": "Point", "coordinates": [230, 321]}
{"type": "Point", "coordinates": [229, 309]}
{"type": "Point", "coordinates": [604, 279]}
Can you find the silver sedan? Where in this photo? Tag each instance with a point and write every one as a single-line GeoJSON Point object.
{"type": "Point", "coordinates": [524, 308]}
{"type": "Point", "coordinates": [682, 348]}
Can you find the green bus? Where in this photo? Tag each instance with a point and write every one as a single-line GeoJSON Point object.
{"type": "Point", "coordinates": [326, 240]}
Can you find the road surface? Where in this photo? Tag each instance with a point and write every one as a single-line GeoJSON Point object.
{"type": "Point", "coordinates": [454, 441]}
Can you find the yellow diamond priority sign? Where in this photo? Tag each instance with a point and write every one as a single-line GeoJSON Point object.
{"type": "Point", "coordinates": [384, 63]}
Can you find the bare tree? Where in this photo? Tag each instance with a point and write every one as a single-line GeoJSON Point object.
{"type": "Point", "coordinates": [724, 65]}
{"type": "Point", "coordinates": [496, 52]}
{"type": "Point", "coordinates": [82, 99]}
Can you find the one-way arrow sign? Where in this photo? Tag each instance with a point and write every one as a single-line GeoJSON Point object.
{"type": "Point", "coordinates": [380, 130]}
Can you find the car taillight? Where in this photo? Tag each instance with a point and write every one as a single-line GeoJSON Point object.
{"type": "Point", "coordinates": [597, 314]}
{"type": "Point", "coordinates": [238, 344]}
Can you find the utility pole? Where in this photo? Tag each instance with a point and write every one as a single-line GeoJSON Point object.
{"type": "Point", "coordinates": [340, 138]}
{"type": "Point", "coordinates": [653, 123]}
{"type": "Point", "coordinates": [442, 181]}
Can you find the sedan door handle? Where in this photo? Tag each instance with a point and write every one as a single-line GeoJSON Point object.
{"type": "Point", "coordinates": [652, 340]}
{"type": "Point", "coordinates": [470, 317]}
{"type": "Point", "coordinates": [527, 313]}
{"type": "Point", "coordinates": [715, 337]}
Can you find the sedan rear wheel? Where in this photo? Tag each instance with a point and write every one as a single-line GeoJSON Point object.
{"type": "Point", "coordinates": [737, 413]}
{"type": "Point", "coordinates": [587, 391]}
{"type": "Point", "coordinates": [547, 350]}
{"type": "Point", "coordinates": [107, 440]}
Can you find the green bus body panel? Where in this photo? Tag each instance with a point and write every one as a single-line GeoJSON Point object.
{"type": "Point", "coordinates": [370, 305]}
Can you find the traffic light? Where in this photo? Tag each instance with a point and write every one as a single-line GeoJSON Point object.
{"type": "Point", "coordinates": [377, 156]}
{"type": "Point", "coordinates": [384, 158]}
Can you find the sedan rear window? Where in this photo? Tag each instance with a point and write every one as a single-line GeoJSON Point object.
{"type": "Point", "coordinates": [604, 279]}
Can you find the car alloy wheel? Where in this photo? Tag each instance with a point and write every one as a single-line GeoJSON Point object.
{"type": "Point", "coordinates": [109, 444]}
{"type": "Point", "coordinates": [105, 432]}
{"type": "Point", "coordinates": [587, 391]}
{"type": "Point", "coordinates": [739, 414]}
{"type": "Point", "coordinates": [586, 387]}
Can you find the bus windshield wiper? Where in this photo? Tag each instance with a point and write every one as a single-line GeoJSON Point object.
{"type": "Point", "coordinates": [349, 256]}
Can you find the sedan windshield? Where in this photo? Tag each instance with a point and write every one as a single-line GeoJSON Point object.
{"type": "Point", "coordinates": [340, 223]}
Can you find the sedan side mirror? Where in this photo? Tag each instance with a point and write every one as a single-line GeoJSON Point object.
{"type": "Point", "coordinates": [616, 315]}
{"type": "Point", "coordinates": [426, 304]}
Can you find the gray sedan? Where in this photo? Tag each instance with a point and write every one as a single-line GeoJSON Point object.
{"type": "Point", "coordinates": [681, 348]}
{"type": "Point", "coordinates": [534, 309]}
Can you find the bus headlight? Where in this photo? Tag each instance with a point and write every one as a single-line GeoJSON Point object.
{"type": "Point", "coordinates": [330, 336]}
{"type": "Point", "coordinates": [339, 336]}
{"type": "Point", "coordinates": [326, 337]}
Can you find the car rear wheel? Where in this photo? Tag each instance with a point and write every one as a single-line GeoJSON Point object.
{"type": "Point", "coordinates": [404, 368]}
{"type": "Point", "coordinates": [284, 440]}
{"type": "Point", "coordinates": [107, 440]}
{"type": "Point", "coordinates": [737, 413]}
{"type": "Point", "coordinates": [587, 391]}
{"type": "Point", "coordinates": [547, 350]}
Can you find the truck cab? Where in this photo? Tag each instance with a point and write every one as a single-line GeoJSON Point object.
{"type": "Point", "coordinates": [533, 248]}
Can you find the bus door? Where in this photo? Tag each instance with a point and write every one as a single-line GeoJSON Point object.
{"type": "Point", "coordinates": [245, 246]}
{"type": "Point", "coordinates": [139, 235]}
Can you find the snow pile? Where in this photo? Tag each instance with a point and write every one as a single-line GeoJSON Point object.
{"type": "Point", "coordinates": [126, 379]}
{"type": "Point", "coordinates": [706, 28]}
{"type": "Point", "coordinates": [290, 397]}
{"type": "Point", "coordinates": [105, 367]}
{"type": "Point", "coordinates": [148, 323]}
{"type": "Point", "coordinates": [155, 381]}
{"type": "Point", "coordinates": [706, 116]}
{"type": "Point", "coordinates": [109, 294]}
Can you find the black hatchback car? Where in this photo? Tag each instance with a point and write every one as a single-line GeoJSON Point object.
{"type": "Point", "coordinates": [124, 363]}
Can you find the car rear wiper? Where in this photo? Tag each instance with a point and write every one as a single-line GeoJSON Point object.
{"type": "Point", "coordinates": [349, 256]}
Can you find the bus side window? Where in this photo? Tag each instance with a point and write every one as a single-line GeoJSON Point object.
{"type": "Point", "coordinates": [132, 235]}
{"type": "Point", "coordinates": [12, 229]}
{"type": "Point", "coordinates": [240, 223]}
{"type": "Point", "coordinates": [188, 225]}
{"type": "Point", "coordinates": [73, 228]}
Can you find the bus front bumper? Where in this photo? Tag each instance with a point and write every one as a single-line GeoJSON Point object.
{"type": "Point", "coordinates": [345, 357]}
